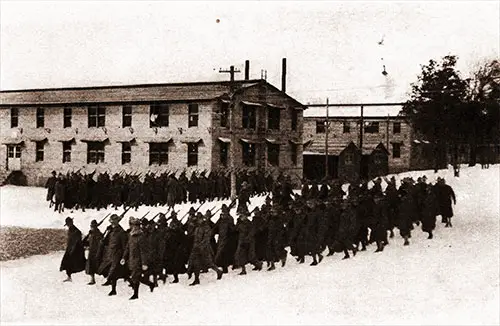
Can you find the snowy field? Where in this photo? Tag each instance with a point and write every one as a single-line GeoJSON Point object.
{"type": "Point", "coordinates": [452, 279]}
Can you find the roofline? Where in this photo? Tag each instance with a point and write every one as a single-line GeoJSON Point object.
{"type": "Point", "coordinates": [110, 103]}
{"type": "Point", "coordinates": [224, 82]}
{"type": "Point", "coordinates": [333, 117]}
{"type": "Point", "coordinates": [355, 104]}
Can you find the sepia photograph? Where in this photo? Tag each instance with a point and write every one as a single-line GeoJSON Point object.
{"type": "Point", "coordinates": [249, 162]}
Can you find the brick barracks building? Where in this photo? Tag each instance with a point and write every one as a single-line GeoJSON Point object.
{"type": "Point", "coordinates": [383, 144]}
{"type": "Point", "coordinates": [156, 127]}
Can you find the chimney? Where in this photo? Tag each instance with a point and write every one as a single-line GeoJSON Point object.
{"type": "Point", "coordinates": [283, 76]}
{"type": "Point", "coordinates": [247, 69]}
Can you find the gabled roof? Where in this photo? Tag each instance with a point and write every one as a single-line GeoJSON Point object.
{"type": "Point", "coordinates": [196, 91]}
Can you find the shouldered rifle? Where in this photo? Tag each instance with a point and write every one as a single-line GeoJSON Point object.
{"type": "Point", "coordinates": [145, 215]}
{"type": "Point", "coordinates": [125, 212]}
{"type": "Point", "coordinates": [104, 218]}
{"type": "Point", "coordinates": [196, 210]}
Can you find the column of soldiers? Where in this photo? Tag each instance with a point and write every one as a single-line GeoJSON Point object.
{"type": "Point", "coordinates": [76, 190]}
{"type": "Point", "coordinates": [322, 220]}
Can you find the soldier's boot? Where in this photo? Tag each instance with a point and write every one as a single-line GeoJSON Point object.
{"type": "Point", "coordinates": [108, 282]}
{"type": "Point", "coordinates": [155, 280]}
{"type": "Point", "coordinates": [163, 278]}
{"type": "Point", "coordinates": [363, 246]}
{"type": "Point", "coordinates": [354, 251]}
{"type": "Point", "coordinates": [176, 279]}
{"type": "Point", "coordinates": [443, 219]}
{"type": "Point", "coordinates": [449, 222]}
{"type": "Point", "coordinates": [301, 259]}
{"type": "Point", "coordinates": [196, 279]}
{"type": "Point", "coordinates": [68, 279]}
{"type": "Point", "coordinates": [136, 292]}
{"type": "Point", "coordinates": [407, 242]}
{"type": "Point", "coordinates": [189, 275]}
{"type": "Point", "coordinates": [113, 288]}
{"type": "Point", "coordinates": [331, 251]}
{"type": "Point", "coordinates": [430, 235]}
{"type": "Point", "coordinates": [315, 262]}
{"type": "Point", "coordinates": [225, 270]}
{"type": "Point", "coordinates": [392, 234]}
{"type": "Point", "coordinates": [346, 254]}
{"type": "Point", "coordinates": [258, 266]}
{"type": "Point", "coordinates": [379, 246]}
{"type": "Point", "coordinates": [218, 271]}
{"type": "Point", "coordinates": [272, 267]}
{"type": "Point", "coordinates": [92, 280]}
{"type": "Point", "coordinates": [320, 258]}
{"type": "Point", "coordinates": [283, 259]}
{"type": "Point", "coordinates": [243, 271]}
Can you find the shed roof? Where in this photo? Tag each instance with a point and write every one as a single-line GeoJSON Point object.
{"type": "Point", "coordinates": [338, 110]}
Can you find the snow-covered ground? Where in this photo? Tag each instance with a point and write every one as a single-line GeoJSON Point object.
{"type": "Point", "coordinates": [452, 279]}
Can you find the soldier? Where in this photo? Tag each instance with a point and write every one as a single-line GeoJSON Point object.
{"type": "Point", "coordinates": [260, 224]}
{"type": "Point", "coordinates": [59, 192]}
{"type": "Point", "coordinates": [115, 241]}
{"type": "Point", "coordinates": [378, 224]}
{"type": "Point", "coordinates": [429, 212]}
{"type": "Point", "coordinates": [347, 227]}
{"type": "Point", "coordinates": [225, 228]}
{"type": "Point", "coordinates": [92, 241]}
{"type": "Point", "coordinates": [161, 231]}
{"type": "Point", "coordinates": [243, 197]}
{"type": "Point", "coordinates": [201, 254]}
{"type": "Point", "coordinates": [73, 260]}
{"type": "Point", "coordinates": [177, 248]}
{"type": "Point", "coordinates": [136, 256]}
{"type": "Point", "coordinates": [152, 258]}
{"type": "Point", "coordinates": [405, 223]}
{"type": "Point", "coordinates": [392, 205]}
{"type": "Point", "coordinates": [275, 240]}
{"type": "Point", "coordinates": [245, 252]}
{"type": "Point", "coordinates": [51, 188]}
{"type": "Point", "coordinates": [445, 196]}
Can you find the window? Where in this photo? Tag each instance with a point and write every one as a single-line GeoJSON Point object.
{"type": "Point", "coordinates": [273, 118]}
{"type": "Point", "coordinates": [68, 115]}
{"type": "Point", "coordinates": [158, 115]}
{"type": "Point", "coordinates": [371, 127]}
{"type": "Point", "coordinates": [224, 149]}
{"type": "Point", "coordinates": [320, 127]}
{"type": "Point", "coordinates": [273, 154]}
{"type": "Point", "coordinates": [40, 117]}
{"type": "Point", "coordinates": [14, 151]}
{"type": "Point", "coordinates": [347, 127]}
{"type": "Point", "coordinates": [126, 116]}
{"type": "Point", "coordinates": [14, 117]}
{"type": "Point", "coordinates": [193, 115]}
{"type": "Point", "coordinates": [158, 153]}
{"type": "Point", "coordinates": [293, 153]}
{"type": "Point", "coordinates": [66, 151]}
{"type": "Point", "coordinates": [249, 117]}
{"type": "Point", "coordinates": [396, 127]}
{"type": "Point", "coordinates": [95, 152]}
{"type": "Point", "coordinates": [192, 154]}
{"type": "Point", "coordinates": [97, 116]}
{"type": "Point", "coordinates": [294, 119]}
{"type": "Point", "coordinates": [248, 154]}
{"type": "Point", "coordinates": [126, 153]}
{"type": "Point", "coordinates": [224, 114]}
{"type": "Point", "coordinates": [396, 150]}
{"type": "Point", "coordinates": [348, 158]}
{"type": "Point", "coordinates": [39, 151]}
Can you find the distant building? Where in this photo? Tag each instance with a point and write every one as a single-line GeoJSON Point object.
{"type": "Point", "coordinates": [155, 127]}
{"type": "Point", "coordinates": [381, 146]}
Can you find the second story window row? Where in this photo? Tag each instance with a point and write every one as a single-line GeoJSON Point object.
{"type": "Point", "coordinates": [96, 116]}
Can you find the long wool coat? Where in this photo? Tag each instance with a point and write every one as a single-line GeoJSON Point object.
{"type": "Point", "coordinates": [92, 240]}
{"type": "Point", "coordinates": [73, 260]}
{"type": "Point", "coordinates": [114, 247]}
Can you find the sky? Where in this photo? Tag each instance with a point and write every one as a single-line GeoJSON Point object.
{"type": "Point", "coordinates": [332, 48]}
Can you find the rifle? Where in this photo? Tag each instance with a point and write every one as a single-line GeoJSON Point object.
{"type": "Point", "coordinates": [125, 212]}
{"type": "Point", "coordinates": [105, 217]}
{"type": "Point", "coordinates": [182, 218]}
{"type": "Point", "coordinates": [145, 215]}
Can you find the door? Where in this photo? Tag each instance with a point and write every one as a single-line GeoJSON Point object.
{"type": "Point", "coordinates": [14, 157]}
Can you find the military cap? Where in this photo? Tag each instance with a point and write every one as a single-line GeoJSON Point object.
{"type": "Point", "coordinates": [93, 223]}
{"type": "Point", "coordinates": [114, 218]}
{"type": "Point", "coordinates": [68, 221]}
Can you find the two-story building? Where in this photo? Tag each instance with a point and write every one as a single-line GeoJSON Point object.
{"type": "Point", "coordinates": [362, 140]}
{"type": "Point", "coordinates": [154, 127]}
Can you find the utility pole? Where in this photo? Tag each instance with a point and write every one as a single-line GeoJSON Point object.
{"type": "Point", "coordinates": [327, 127]}
{"type": "Point", "coordinates": [232, 129]}
{"type": "Point", "coordinates": [361, 127]}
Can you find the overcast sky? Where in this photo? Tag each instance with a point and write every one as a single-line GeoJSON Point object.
{"type": "Point", "coordinates": [331, 47]}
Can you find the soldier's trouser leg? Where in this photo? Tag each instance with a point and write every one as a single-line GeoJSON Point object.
{"type": "Point", "coordinates": [346, 253]}
{"type": "Point", "coordinates": [196, 278]}
{"type": "Point", "coordinates": [176, 278]}
{"type": "Point", "coordinates": [113, 287]}
{"type": "Point", "coordinates": [218, 271]}
{"type": "Point", "coordinates": [135, 287]}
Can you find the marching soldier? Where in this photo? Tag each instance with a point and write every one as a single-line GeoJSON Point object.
{"type": "Point", "coordinates": [73, 260]}
{"type": "Point", "coordinates": [245, 253]}
{"type": "Point", "coordinates": [92, 241]}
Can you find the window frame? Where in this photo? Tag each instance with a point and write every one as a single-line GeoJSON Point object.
{"type": "Point", "coordinates": [40, 117]}
{"type": "Point", "coordinates": [249, 117]}
{"type": "Point", "coordinates": [223, 154]}
{"type": "Point", "coordinates": [39, 151]}
{"type": "Point", "coordinates": [67, 117]}
{"type": "Point", "coordinates": [294, 119]}
{"type": "Point", "coordinates": [66, 150]}
{"type": "Point", "coordinates": [10, 151]}
{"type": "Point", "coordinates": [346, 127]}
{"type": "Point", "coordinates": [273, 154]}
{"type": "Point", "coordinates": [158, 153]}
{"type": "Point", "coordinates": [126, 116]}
{"type": "Point", "coordinates": [372, 124]}
{"type": "Point", "coordinates": [162, 110]}
{"type": "Point", "coordinates": [273, 118]}
{"type": "Point", "coordinates": [96, 152]}
{"type": "Point", "coordinates": [396, 150]}
{"type": "Point", "coordinates": [294, 150]}
{"type": "Point", "coordinates": [320, 127]}
{"type": "Point", "coordinates": [193, 115]}
{"type": "Point", "coordinates": [126, 153]}
{"type": "Point", "coordinates": [14, 117]}
{"type": "Point", "coordinates": [192, 154]}
{"type": "Point", "coordinates": [96, 119]}
{"type": "Point", "coordinates": [348, 158]}
{"type": "Point", "coordinates": [224, 114]}
{"type": "Point", "coordinates": [396, 127]}
{"type": "Point", "coordinates": [248, 152]}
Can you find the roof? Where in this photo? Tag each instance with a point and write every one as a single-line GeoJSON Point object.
{"type": "Point", "coordinates": [347, 111]}
{"type": "Point", "coordinates": [196, 91]}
